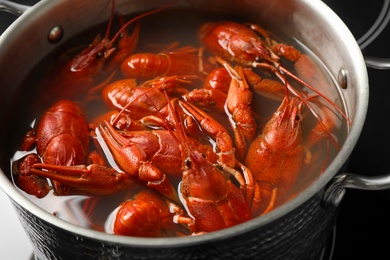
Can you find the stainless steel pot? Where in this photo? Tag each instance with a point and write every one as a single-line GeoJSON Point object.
{"type": "Point", "coordinates": [299, 229]}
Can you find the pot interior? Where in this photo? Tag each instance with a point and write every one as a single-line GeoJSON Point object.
{"type": "Point", "coordinates": [309, 22]}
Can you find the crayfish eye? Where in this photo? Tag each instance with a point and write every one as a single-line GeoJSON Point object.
{"type": "Point", "coordinates": [99, 55]}
{"type": "Point", "coordinates": [188, 163]}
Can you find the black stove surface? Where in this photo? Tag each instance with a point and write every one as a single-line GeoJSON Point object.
{"type": "Point", "coordinates": [363, 223]}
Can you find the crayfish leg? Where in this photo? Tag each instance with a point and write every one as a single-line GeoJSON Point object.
{"type": "Point", "coordinates": [268, 196]}
{"type": "Point", "coordinates": [28, 181]}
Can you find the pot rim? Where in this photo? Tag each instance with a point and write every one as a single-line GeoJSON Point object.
{"type": "Point", "coordinates": [324, 13]}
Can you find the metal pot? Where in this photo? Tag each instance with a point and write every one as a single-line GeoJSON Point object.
{"type": "Point", "coordinates": [299, 229]}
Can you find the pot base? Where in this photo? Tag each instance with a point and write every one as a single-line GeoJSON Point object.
{"type": "Point", "coordinates": [306, 233]}
{"type": "Point", "coordinates": [325, 254]}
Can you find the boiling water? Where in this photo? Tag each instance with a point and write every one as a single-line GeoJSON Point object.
{"type": "Point", "coordinates": [162, 29]}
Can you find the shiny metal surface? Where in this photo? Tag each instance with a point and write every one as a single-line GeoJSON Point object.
{"type": "Point", "coordinates": [377, 63]}
{"type": "Point", "coordinates": [312, 22]}
{"type": "Point", "coordinates": [14, 8]}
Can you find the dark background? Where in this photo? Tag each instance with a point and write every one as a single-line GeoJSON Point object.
{"type": "Point", "coordinates": [363, 225]}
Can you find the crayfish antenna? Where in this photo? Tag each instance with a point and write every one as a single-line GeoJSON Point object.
{"type": "Point", "coordinates": [176, 121]}
{"type": "Point", "coordinates": [138, 18]}
{"type": "Point", "coordinates": [279, 70]}
{"type": "Point", "coordinates": [321, 124]}
{"type": "Point", "coordinates": [111, 20]}
{"type": "Point", "coordinates": [305, 99]}
{"type": "Point", "coordinates": [287, 72]}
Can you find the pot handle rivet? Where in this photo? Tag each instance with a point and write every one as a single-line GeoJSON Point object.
{"type": "Point", "coordinates": [55, 34]}
{"type": "Point", "coordinates": [342, 78]}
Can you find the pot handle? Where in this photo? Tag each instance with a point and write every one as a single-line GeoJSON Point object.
{"type": "Point", "coordinates": [13, 8]}
{"type": "Point", "coordinates": [377, 63]}
{"type": "Point", "coordinates": [336, 189]}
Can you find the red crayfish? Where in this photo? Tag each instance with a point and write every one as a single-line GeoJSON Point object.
{"type": "Point", "coordinates": [251, 46]}
{"type": "Point", "coordinates": [62, 140]}
{"type": "Point", "coordinates": [179, 133]}
{"type": "Point", "coordinates": [78, 75]}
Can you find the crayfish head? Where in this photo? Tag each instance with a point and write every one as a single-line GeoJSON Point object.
{"type": "Point", "coordinates": [201, 179]}
{"type": "Point", "coordinates": [90, 60]}
{"type": "Point", "coordinates": [284, 129]}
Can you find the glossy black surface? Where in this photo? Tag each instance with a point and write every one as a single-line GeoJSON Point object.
{"type": "Point", "coordinates": [364, 219]}
{"type": "Point", "coordinates": [363, 225]}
